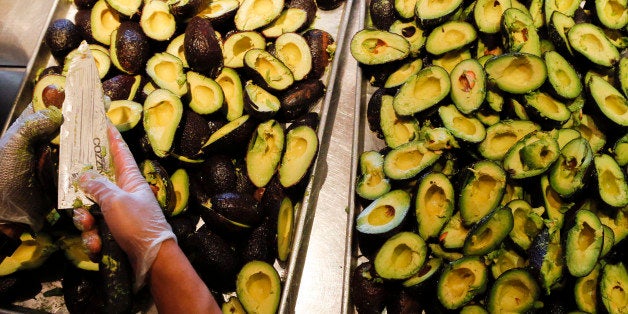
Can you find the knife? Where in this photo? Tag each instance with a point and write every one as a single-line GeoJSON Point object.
{"type": "Point", "coordinates": [83, 136]}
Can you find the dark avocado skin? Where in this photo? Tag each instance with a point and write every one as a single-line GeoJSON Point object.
{"type": "Point", "coordinates": [187, 10]}
{"type": "Point", "coordinates": [318, 40]}
{"type": "Point", "coordinates": [119, 87]}
{"type": "Point", "coordinates": [118, 280]}
{"type": "Point", "coordinates": [62, 36]}
{"type": "Point", "coordinates": [310, 119]}
{"type": "Point", "coordinates": [132, 47]}
{"type": "Point", "coordinates": [272, 197]}
{"type": "Point", "coordinates": [328, 4]}
{"type": "Point", "coordinates": [368, 295]}
{"type": "Point", "coordinates": [85, 4]}
{"type": "Point", "coordinates": [309, 6]}
{"type": "Point", "coordinates": [21, 285]}
{"type": "Point", "coordinates": [191, 134]}
{"type": "Point", "coordinates": [82, 291]}
{"type": "Point", "coordinates": [373, 111]}
{"type": "Point", "coordinates": [403, 302]}
{"type": "Point", "coordinates": [300, 98]}
{"type": "Point", "coordinates": [238, 207]}
{"type": "Point", "coordinates": [217, 175]}
{"type": "Point", "coordinates": [82, 18]}
{"type": "Point", "coordinates": [202, 50]}
{"type": "Point", "coordinates": [261, 243]}
{"type": "Point", "coordinates": [382, 13]}
{"type": "Point", "coordinates": [213, 259]}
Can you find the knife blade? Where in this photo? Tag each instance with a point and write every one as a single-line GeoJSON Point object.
{"type": "Point", "coordinates": [83, 142]}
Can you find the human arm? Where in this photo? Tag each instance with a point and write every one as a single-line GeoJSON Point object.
{"type": "Point", "coordinates": [138, 225]}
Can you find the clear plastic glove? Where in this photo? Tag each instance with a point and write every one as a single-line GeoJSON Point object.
{"type": "Point", "coordinates": [21, 199]}
{"type": "Point", "coordinates": [129, 207]}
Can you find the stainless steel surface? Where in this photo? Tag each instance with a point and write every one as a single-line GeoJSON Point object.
{"type": "Point", "coordinates": [21, 23]}
{"type": "Point", "coordinates": [314, 276]}
{"type": "Point", "coordinates": [10, 80]}
{"type": "Point", "coordinates": [83, 136]}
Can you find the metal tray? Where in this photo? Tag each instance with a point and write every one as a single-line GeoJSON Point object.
{"type": "Point", "coordinates": [334, 22]}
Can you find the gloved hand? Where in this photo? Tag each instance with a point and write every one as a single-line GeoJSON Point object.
{"type": "Point", "coordinates": [21, 199]}
{"type": "Point", "coordinates": [129, 207]}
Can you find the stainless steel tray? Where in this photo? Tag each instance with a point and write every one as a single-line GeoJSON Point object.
{"type": "Point", "coordinates": [334, 22]}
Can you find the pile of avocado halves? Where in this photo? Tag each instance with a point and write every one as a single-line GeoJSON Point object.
{"type": "Point", "coordinates": [499, 183]}
{"type": "Point", "coordinates": [219, 102]}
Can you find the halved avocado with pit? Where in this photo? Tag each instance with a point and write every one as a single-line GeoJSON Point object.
{"type": "Point", "coordinates": [124, 114]}
{"type": "Point", "coordinates": [468, 85]}
{"type": "Point", "coordinates": [206, 95]}
{"type": "Point", "coordinates": [515, 291]}
{"type": "Point", "coordinates": [238, 43]}
{"type": "Point", "coordinates": [450, 36]}
{"type": "Point", "coordinates": [373, 47]}
{"type": "Point", "coordinates": [384, 214]}
{"type": "Point", "coordinates": [298, 157]}
{"type": "Point", "coordinates": [166, 71]}
{"type": "Point", "coordinates": [608, 100]}
{"type": "Point", "coordinates": [157, 21]}
{"type": "Point", "coordinates": [372, 183]}
{"type": "Point", "coordinates": [267, 70]}
{"type": "Point", "coordinates": [516, 73]}
{"type": "Point", "coordinates": [434, 204]}
{"type": "Point", "coordinates": [422, 91]}
{"type": "Point", "coordinates": [258, 287]}
{"type": "Point", "coordinates": [159, 181]}
{"type": "Point", "coordinates": [264, 152]}
{"type": "Point", "coordinates": [254, 14]}
{"type": "Point", "coordinates": [489, 232]}
{"type": "Point", "coordinates": [461, 281]}
{"type": "Point", "coordinates": [408, 160]}
{"type": "Point", "coordinates": [162, 113]}
{"type": "Point", "coordinates": [401, 256]}
{"type": "Point", "coordinates": [611, 181]}
{"type": "Point", "coordinates": [484, 183]}
{"type": "Point", "coordinates": [293, 50]}
{"type": "Point", "coordinates": [590, 41]}
{"type": "Point", "coordinates": [583, 244]}
{"type": "Point", "coordinates": [104, 20]}
{"type": "Point", "coordinates": [49, 91]}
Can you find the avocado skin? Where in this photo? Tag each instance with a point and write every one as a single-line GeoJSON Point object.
{"type": "Point", "coordinates": [383, 13]}
{"type": "Point", "coordinates": [273, 195]}
{"type": "Point", "coordinates": [217, 175]}
{"type": "Point", "coordinates": [82, 291]}
{"type": "Point", "coordinates": [311, 119]}
{"type": "Point", "coordinates": [261, 244]}
{"type": "Point", "coordinates": [21, 285]}
{"type": "Point", "coordinates": [182, 12]}
{"type": "Point", "coordinates": [82, 19]}
{"type": "Point", "coordinates": [119, 87]}
{"type": "Point", "coordinates": [368, 292]}
{"type": "Point", "coordinates": [403, 302]}
{"type": "Point", "coordinates": [213, 259]}
{"type": "Point", "coordinates": [183, 225]}
{"type": "Point", "coordinates": [319, 42]}
{"type": "Point", "coordinates": [61, 37]}
{"type": "Point", "coordinates": [85, 4]}
{"type": "Point", "coordinates": [117, 279]}
{"type": "Point", "coordinates": [132, 47]}
{"type": "Point", "coordinates": [202, 50]}
{"type": "Point", "coordinates": [300, 98]}
{"type": "Point", "coordinates": [239, 207]}
{"type": "Point", "coordinates": [191, 134]}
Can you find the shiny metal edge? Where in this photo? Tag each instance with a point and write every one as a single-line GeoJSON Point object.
{"type": "Point", "coordinates": [292, 272]}
{"type": "Point", "coordinates": [41, 57]}
{"type": "Point", "coordinates": [305, 217]}
{"type": "Point", "coordinates": [360, 127]}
